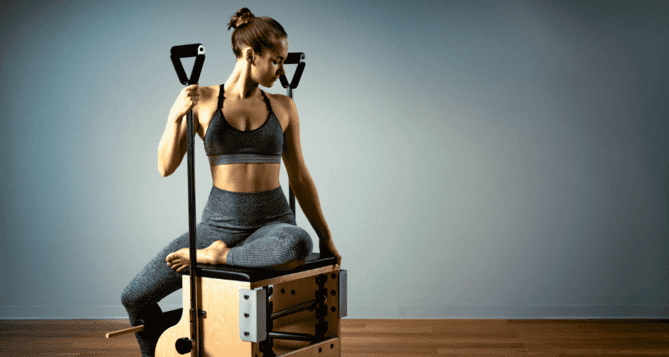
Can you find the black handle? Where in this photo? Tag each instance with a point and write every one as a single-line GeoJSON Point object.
{"type": "Point", "coordinates": [294, 58]}
{"type": "Point", "coordinates": [193, 50]}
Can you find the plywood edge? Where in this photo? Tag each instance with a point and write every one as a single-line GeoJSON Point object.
{"type": "Point", "coordinates": [294, 276]}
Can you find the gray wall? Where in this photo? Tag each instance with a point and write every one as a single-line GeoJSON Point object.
{"type": "Point", "coordinates": [473, 159]}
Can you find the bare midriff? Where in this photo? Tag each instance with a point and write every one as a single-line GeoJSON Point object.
{"type": "Point", "coordinates": [246, 177]}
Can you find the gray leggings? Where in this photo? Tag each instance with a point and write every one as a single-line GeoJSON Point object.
{"type": "Point", "coordinates": [258, 226]}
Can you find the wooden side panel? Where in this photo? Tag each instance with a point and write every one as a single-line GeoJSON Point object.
{"type": "Point", "coordinates": [220, 300]}
{"type": "Point", "coordinates": [327, 348]}
{"type": "Point", "coordinates": [299, 291]}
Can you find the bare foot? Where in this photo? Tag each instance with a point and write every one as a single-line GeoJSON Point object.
{"type": "Point", "coordinates": [216, 253]}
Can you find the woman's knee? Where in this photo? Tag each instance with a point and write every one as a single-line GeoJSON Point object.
{"type": "Point", "coordinates": [299, 241]}
{"type": "Point", "coordinates": [128, 299]}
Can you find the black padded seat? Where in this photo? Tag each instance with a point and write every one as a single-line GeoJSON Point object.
{"type": "Point", "coordinates": [237, 273]}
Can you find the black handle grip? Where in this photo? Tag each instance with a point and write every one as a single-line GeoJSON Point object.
{"type": "Point", "coordinates": [294, 58]}
{"type": "Point", "coordinates": [192, 50]}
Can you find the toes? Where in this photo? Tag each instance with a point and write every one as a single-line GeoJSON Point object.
{"type": "Point", "coordinates": [178, 260]}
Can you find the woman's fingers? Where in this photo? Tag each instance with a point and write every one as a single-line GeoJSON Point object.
{"type": "Point", "coordinates": [187, 99]}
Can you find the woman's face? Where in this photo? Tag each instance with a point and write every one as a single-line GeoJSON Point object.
{"type": "Point", "coordinates": [269, 66]}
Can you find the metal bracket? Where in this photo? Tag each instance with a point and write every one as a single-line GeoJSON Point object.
{"type": "Point", "coordinates": [342, 293]}
{"type": "Point", "coordinates": [253, 314]}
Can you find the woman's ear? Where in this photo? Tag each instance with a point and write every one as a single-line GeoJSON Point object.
{"type": "Point", "coordinates": [248, 54]}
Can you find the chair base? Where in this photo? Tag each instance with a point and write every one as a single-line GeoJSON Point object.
{"type": "Point", "coordinates": [222, 306]}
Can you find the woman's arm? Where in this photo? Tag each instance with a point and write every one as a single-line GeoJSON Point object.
{"type": "Point", "coordinates": [173, 144]}
{"type": "Point", "coordinates": [305, 192]}
{"type": "Point", "coordinates": [172, 147]}
{"type": "Point", "coordinates": [306, 195]}
{"type": "Point", "coordinates": [301, 182]}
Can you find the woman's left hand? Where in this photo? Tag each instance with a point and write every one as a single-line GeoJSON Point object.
{"type": "Point", "coordinates": [328, 249]}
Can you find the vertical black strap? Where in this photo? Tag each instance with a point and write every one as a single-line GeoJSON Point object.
{"type": "Point", "coordinates": [269, 105]}
{"type": "Point", "coordinates": [220, 98]}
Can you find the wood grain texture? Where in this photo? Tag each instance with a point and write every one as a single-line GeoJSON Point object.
{"type": "Point", "coordinates": [376, 338]}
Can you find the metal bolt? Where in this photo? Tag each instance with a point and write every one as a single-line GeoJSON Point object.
{"type": "Point", "coordinates": [246, 333]}
{"type": "Point", "coordinates": [246, 297]}
{"type": "Point", "coordinates": [246, 314]}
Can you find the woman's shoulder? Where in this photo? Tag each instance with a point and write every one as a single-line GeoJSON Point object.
{"type": "Point", "coordinates": [208, 97]}
{"type": "Point", "coordinates": [279, 98]}
{"type": "Point", "coordinates": [283, 108]}
{"type": "Point", "coordinates": [284, 102]}
{"type": "Point", "coordinates": [210, 91]}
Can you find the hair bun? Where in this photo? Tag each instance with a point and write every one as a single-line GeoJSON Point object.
{"type": "Point", "coordinates": [243, 17]}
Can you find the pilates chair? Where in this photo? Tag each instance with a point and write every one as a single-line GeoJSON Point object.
{"type": "Point", "coordinates": [260, 312]}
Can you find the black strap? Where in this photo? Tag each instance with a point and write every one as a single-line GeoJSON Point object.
{"type": "Point", "coordinates": [269, 106]}
{"type": "Point", "coordinates": [222, 92]}
{"type": "Point", "coordinates": [220, 98]}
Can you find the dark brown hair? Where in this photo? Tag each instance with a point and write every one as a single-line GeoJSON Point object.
{"type": "Point", "coordinates": [256, 32]}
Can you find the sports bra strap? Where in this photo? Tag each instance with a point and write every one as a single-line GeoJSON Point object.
{"type": "Point", "coordinates": [221, 95]}
{"type": "Point", "coordinates": [220, 98]}
{"type": "Point", "coordinates": [269, 106]}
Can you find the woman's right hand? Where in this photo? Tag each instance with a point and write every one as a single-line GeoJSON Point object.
{"type": "Point", "coordinates": [187, 99]}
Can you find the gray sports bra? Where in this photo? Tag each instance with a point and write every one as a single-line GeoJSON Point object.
{"type": "Point", "coordinates": [225, 144]}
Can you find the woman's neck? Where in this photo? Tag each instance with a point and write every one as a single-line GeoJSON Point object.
{"type": "Point", "coordinates": [240, 85]}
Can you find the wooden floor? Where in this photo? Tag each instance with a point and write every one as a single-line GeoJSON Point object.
{"type": "Point", "coordinates": [376, 338]}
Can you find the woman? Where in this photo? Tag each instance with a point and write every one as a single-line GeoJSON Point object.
{"type": "Point", "coordinates": [247, 220]}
